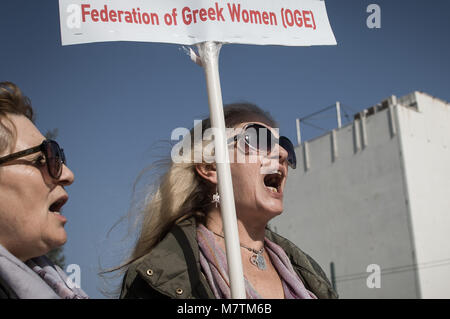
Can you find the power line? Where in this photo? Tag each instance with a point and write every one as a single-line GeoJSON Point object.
{"type": "Point", "coordinates": [314, 114]}
{"type": "Point", "coordinates": [317, 112]}
{"type": "Point", "coordinates": [350, 108]}
{"type": "Point", "coordinates": [397, 269]}
{"type": "Point", "coordinates": [316, 126]}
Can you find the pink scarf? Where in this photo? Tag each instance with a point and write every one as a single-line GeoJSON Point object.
{"type": "Point", "coordinates": [214, 266]}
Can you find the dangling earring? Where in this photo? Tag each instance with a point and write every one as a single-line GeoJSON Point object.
{"type": "Point", "coordinates": [216, 198]}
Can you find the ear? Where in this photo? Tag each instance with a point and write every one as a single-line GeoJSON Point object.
{"type": "Point", "coordinates": [207, 171]}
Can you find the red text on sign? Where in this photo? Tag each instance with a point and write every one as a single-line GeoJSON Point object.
{"type": "Point", "coordinates": [251, 16]}
{"type": "Point", "coordinates": [106, 15]}
{"type": "Point", "coordinates": [297, 18]}
{"type": "Point", "coordinates": [196, 15]}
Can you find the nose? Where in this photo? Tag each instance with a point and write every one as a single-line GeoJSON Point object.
{"type": "Point", "coordinates": [67, 177]}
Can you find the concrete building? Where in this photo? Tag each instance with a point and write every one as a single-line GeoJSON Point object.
{"type": "Point", "coordinates": [376, 193]}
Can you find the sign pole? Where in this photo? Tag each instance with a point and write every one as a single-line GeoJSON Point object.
{"type": "Point", "coordinates": [209, 55]}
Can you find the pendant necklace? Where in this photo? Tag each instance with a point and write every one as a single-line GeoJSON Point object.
{"type": "Point", "coordinates": [257, 258]}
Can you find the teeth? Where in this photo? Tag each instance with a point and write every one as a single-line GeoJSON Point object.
{"type": "Point", "coordinates": [272, 189]}
{"type": "Point", "coordinates": [57, 213]}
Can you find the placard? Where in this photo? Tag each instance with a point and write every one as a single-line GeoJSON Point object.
{"type": "Point", "coordinates": [261, 22]}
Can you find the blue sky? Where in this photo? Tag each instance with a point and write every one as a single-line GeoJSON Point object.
{"type": "Point", "coordinates": [113, 103]}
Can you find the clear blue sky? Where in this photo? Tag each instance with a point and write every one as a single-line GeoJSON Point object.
{"type": "Point", "coordinates": [113, 101]}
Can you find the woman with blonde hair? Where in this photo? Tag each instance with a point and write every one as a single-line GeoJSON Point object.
{"type": "Point", "coordinates": [180, 251]}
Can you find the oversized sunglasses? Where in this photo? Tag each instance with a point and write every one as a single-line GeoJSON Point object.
{"type": "Point", "coordinates": [54, 156]}
{"type": "Point", "coordinates": [261, 138]}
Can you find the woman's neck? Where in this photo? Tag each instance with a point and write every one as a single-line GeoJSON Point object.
{"type": "Point", "coordinates": [251, 234]}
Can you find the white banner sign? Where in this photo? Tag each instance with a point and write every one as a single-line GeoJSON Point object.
{"type": "Point", "coordinates": [280, 22]}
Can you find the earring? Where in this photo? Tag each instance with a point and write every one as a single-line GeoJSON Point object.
{"type": "Point", "coordinates": [216, 198]}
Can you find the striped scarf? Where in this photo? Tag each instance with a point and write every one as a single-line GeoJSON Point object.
{"type": "Point", "coordinates": [214, 265]}
{"type": "Point", "coordinates": [55, 278]}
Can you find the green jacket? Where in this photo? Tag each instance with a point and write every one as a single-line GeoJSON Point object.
{"type": "Point", "coordinates": [172, 268]}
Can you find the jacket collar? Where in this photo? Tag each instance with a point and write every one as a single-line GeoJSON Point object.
{"type": "Point", "coordinates": [173, 267]}
{"type": "Point", "coordinates": [310, 272]}
{"type": "Point", "coordinates": [176, 272]}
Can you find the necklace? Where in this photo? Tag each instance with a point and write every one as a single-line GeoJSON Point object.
{"type": "Point", "coordinates": [256, 259]}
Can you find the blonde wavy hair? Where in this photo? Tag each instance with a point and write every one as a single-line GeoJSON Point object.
{"type": "Point", "coordinates": [181, 192]}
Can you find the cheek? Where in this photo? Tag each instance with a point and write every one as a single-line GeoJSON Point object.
{"type": "Point", "coordinates": [22, 223]}
{"type": "Point", "coordinates": [245, 178]}
{"type": "Point", "coordinates": [23, 196]}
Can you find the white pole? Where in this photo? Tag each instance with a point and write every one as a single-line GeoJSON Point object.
{"type": "Point", "coordinates": [209, 55]}
{"type": "Point", "coordinates": [299, 136]}
{"type": "Point", "coordinates": [338, 114]}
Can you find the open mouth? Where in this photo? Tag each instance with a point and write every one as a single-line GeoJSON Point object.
{"type": "Point", "coordinates": [56, 207]}
{"type": "Point", "coordinates": [273, 182]}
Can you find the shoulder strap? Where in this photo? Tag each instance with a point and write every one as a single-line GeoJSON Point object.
{"type": "Point", "coordinates": [191, 262]}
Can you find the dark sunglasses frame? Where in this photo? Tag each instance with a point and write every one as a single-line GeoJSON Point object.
{"type": "Point", "coordinates": [283, 141]}
{"type": "Point", "coordinates": [56, 170]}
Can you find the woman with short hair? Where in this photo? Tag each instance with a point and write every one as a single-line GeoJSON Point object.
{"type": "Point", "coordinates": [33, 177]}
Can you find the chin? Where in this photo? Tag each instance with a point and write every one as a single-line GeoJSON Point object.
{"type": "Point", "coordinates": [275, 208]}
{"type": "Point", "coordinates": [62, 240]}
{"type": "Point", "coordinates": [277, 213]}
{"type": "Point", "coordinates": [57, 241]}
{"type": "Point", "coordinates": [271, 212]}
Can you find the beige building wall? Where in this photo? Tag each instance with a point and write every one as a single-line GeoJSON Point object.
{"type": "Point", "coordinates": [376, 192]}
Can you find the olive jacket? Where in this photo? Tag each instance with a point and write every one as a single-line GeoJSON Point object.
{"type": "Point", "coordinates": [172, 268]}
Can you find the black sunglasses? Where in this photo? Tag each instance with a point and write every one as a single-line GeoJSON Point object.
{"type": "Point", "coordinates": [54, 156]}
{"type": "Point", "coordinates": [260, 138]}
